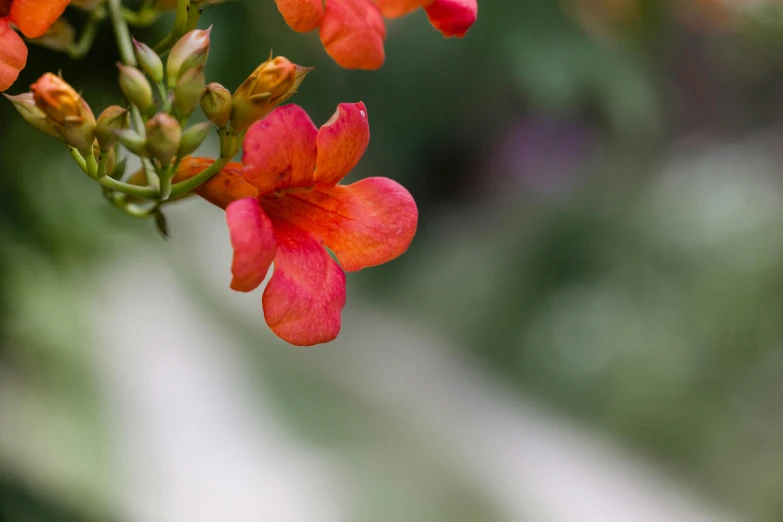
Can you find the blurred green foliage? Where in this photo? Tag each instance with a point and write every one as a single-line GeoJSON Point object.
{"type": "Point", "coordinates": [643, 296]}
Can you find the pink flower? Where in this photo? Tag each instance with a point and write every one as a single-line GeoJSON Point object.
{"type": "Point", "coordinates": [284, 204]}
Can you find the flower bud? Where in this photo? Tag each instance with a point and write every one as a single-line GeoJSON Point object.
{"type": "Point", "coordinates": [164, 134]}
{"type": "Point", "coordinates": [272, 83]}
{"type": "Point", "coordinates": [192, 138]}
{"type": "Point", "coordinates": [149, 61]}
{"type": "Point", "coordinates": [190, 51]}
{"type": "Point", "coordinates": [113, 118]}
{"type": "Point", "coordinates": [59, 37]}
{"type": "Point", "coordinates": [66, 110]}
{"type": "Point", "coordinates": [26, 107]}
{"type": "Point", "coordinates": [133, 141]}
{"type": "Point", "coordinates": [135, 86]}
{"type": "Point", "coordinates": [216, 103]}
{"type": "Point", "coordinates": [188, 91]}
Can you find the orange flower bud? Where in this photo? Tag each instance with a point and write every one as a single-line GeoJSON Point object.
{"type": "Point", "coordinates": [272, 83]}
{"type": "Point", "coordinates": [216, 104]}
{"type": "Point", "coordinates": [164, 135]}
{"type": "Point", "coordinates": [66, 110]}
{"type": "Point", "coordinates": [190, 51]}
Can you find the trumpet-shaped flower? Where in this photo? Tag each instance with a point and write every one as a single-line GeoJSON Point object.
{"type": "Point", "coordinates": [353, 31]}
{"type": "Point", "coordinates": [33, 18]}
{"type": "Point", "coordinates": [284, 204]}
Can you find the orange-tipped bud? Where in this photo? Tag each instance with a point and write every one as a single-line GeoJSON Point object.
{"type": "Point", "coordinates": [272, 83]}
{"type": "Point", "coordinates": [135, 86]}
{"type": "Point", "coordinates": [26, 107]}
{"type": "Point", "coordinates": [164, 135]}
{"type": "Point", "coordinates": [66, 110]}
{"type": "Point", "coordinates": [190, 51]}
{"type": "Point", "coordinates": [149, 61]}
{"type": "Point", "coordinates": [188, 91]}
{"type": "Point", "coordinates": [112, 119]}
{"type": "Point", "coordinates": [216, 104]}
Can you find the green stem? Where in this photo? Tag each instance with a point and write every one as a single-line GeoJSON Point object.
{"type": "Point", "coordinates": [122, 33]}
{"type": "Point", "coordinates": [78, 159]}
{"type": "Point", "coordinates": [102, 162]}
{"type": "Point", "coordinates": [86, 39]}
{"type": "Point", "coordinates": [129, 58]}
{"type": "Point", "coordinates": [202, 177]}
{"type": "Point", "coordinates": [126, 188]}
{"type": "Point", "coordinates": [144, 17]}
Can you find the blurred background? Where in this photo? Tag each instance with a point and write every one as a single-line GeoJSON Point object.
{"type": "Point", "coordinates": [587, 326]}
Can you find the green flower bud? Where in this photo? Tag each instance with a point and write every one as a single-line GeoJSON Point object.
{"type": "Point", "coordinates": [111, 119]}
{"type": "Point", "coordinates": [216, 104]}
{"type": "Point", "coordinates": [135, 86]}
{"type": "Point", "coordinates": [26, 107]}
{"type": "Point", "coordinates": [190, 51]}
{"type": "Point", "coordinates": [164, 134]}
{"type": "Point", "coordinates": [188, 91]}
{"type": "Point", "coordinates": [192, 138]}
{"type": "Point", "coordinates": [133, 141]}
{"type": "Point", "coordinates": [149, 61]}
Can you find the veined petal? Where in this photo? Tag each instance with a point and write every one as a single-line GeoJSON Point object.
{"type": "Point", "coordinates": [301, 15]}
{"type": "Point", "coordinates": [353, 32]}
{"type": "Point", "coordinates": [253, 239]}
{"type": "Point", "coordinates": [365, 224]}
{"type": "Point", "coordinates": [304, 297]}
{"type": "Point", "coordinates": [453, 17]}
{"type": "Point", "coordinates": [33, 17]}
{"type": "Point", "coordinates": [395, 8]}
{"type": "Point", "coordinates": [227, 186]}
{"type": "Point", "coordinates": [13, 55]}
{"type": "Point", "coordinates": [341, 143]}
{"type": "Point", "coordinates": [280, 150]}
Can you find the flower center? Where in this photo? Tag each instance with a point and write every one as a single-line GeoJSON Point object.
{"type": "Point", "coordinates": [5, 7]}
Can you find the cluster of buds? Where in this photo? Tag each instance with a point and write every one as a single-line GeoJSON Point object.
{"type": "Point", "coordinates": [161, 99]}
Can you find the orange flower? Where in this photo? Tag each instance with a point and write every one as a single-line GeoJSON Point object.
{"type": "Point", "coordinates": [353, 31]}
{"type": "Point", "coordinates": [283, 205]}
{"type": "Point", "coordinates": [33, 18]}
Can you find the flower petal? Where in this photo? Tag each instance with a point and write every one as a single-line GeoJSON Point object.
{"type": "Point", "coordinates": [353, 32]}
{"type": "Point", "coordinates": [341, 143]}
{"type": "Point", "coordinates": [280, 150]}
{"type": "Point", "coordinates": [13, 55]}
{"type": "Point", "coordinates": [253, 239]}
{"type": "Point", "coordinates": [304, 297]}
{"type": "Point", "coordinates": [301, 15]}
{"type": "Point", "coordinates": [33, 17]}
{"type": "Point", "coordinates": [395, 8]}
{"type": "Point", "coordinates": [453, 17]}
{"type": "Point", "coordinates": [365, 224]}
{"type": "Point", "coordinates": [227, 186]}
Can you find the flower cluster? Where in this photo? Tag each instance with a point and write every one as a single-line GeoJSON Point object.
{"type": "Point", "coordinates": [284, 202]}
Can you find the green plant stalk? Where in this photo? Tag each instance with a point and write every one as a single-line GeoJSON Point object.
{"type": "Point", "coordinates": [123, 37]}
{"type": "Point", "coordinates": [79, 49]}
{"type": "Point", "coordinates": [77, 157]}
{"type": "Point", "coordinates": [202, 177]}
